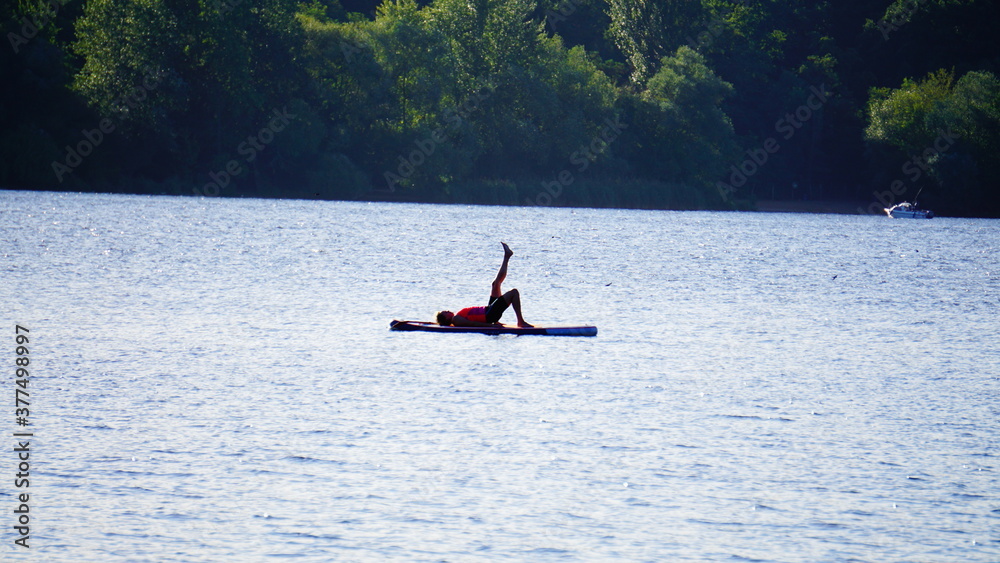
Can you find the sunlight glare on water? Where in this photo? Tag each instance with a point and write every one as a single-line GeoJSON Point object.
{"type": "Point", "coordinates": [215, 380]}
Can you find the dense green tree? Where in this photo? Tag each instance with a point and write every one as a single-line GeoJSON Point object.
{"type": "Point", "coordinates": [191, 79]}
{"type": "Point", "coordinates": [946, 133]}
{"type": "Point", "coordinates": [413, 54]}
{"type": "Point", "coordinates": [616, 102]}
{"type": "Point", "coordinates": [354, 98]}
{"type": "Point", "coordinates": [902, 117]}
{"type": "Point", "coordinates": [580, 23]}
{"type": "Point", "coordinates": [647, 30]}
{"type": "Point", "coordinates": [128, 49]}
{"type": "Point", "coordinates": [915, 37]}
{"type": "Point", "coordinates": [39, 115]}
{"type": "Point", "coordinates": [486, 36]}
{"type": "Point", "coordinates": [678, 132]}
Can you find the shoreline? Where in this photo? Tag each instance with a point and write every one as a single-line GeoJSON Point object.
{"type": "Point", "coordinates": [838, 207]}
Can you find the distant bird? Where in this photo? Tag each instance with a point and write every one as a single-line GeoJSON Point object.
{"type": "Point", "coordinates": [834, 276]}
{"type": "Point", "coordinates": [607, 284]}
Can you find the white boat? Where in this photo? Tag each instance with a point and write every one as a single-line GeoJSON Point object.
{"type": "Point", "coordinates": [907, 210]}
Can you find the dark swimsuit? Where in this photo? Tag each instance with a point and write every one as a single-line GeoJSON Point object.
{"type": "Point", "coordinates": [495, 309]}
{"type": "Point", "coordinates": [488, 314]}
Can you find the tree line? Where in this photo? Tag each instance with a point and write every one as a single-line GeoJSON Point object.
{"type": "Point", "coordinates": [682, 104]}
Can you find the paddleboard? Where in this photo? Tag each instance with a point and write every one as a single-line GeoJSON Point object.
{"type": "Point", "coordinates": [537, 330]}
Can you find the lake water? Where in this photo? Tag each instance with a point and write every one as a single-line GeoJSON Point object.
{"type": "Point", "coordinates": [214, 380]}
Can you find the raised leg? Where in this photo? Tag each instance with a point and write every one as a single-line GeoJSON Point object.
{"type": "Point", "coordinates": [497, 289]}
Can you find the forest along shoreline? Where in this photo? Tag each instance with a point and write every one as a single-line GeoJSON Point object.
{"type": "Point", "coordinates": [701, 104]}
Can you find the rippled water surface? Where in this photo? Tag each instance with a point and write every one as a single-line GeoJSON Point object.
{"type": "Point", "coordinates": [214, 380]}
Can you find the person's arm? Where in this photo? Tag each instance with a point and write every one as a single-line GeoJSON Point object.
{"type": "Point", "coordinates": [459, 320]}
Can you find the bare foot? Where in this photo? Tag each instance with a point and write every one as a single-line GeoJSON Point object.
{"type": "Point", "coordinates": [507, 252]}
{"type": "Point", "coordinates": [524, 325]}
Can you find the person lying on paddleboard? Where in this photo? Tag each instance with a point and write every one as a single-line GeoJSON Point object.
{"type": "Point", "coordinates": [491, 313]}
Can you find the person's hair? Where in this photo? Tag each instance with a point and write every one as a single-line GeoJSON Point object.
{"type": "Point", "coordinates": [442, 319]}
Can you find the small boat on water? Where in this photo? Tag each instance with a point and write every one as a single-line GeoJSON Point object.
{"type": "Point", "coordinates": [908, 210]}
